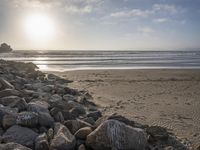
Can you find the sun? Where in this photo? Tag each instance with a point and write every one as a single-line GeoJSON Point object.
{"type": "Point", "coordinates": [39, 26]}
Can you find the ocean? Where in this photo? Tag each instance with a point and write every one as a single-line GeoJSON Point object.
{"type": "Point", "coordinates": [88, 60]}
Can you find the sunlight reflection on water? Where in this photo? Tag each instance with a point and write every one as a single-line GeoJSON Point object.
{"type": "Point", "coordinates": [41, 60]}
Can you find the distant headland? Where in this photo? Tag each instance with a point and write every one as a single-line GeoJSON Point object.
{"type": "Point", "coordinates": [5, 48]}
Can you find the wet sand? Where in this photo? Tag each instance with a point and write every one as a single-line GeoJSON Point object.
{"type": "Point", "coordinates": [168, 98]}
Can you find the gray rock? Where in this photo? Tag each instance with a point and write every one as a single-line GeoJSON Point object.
{"type": "Point", "coordinates": [77, 111]}
{"type": "Point", "coordinates": [52, 77]}
{"type": "Point", "coordinates": [21, 135]}
{"type": "Point", "coordinates": [28, 119]}
{"type": "Point", "coordinates": [60, 114]}
{"type": "Point", "coordinates": [21, 80]}
{"type": "Point", "coordinates": [9, 92]}
{"type": "Point", "coordinates": [41, 142]}
{"type": "Point", "coordinates": [55, 98]}
{"type": "Point", "coordinates": [115, 117]}
{"type": "Point", "coordinates": [37, 86]}
{"type": "Point", "coordinates": [169, 148]}
{"type": "Point", "coordinates": [75, 125]}
{"type": "Point", "coordinates": [197, 147]}
{"type": "Point", "coordinates": [81, 147]}
{"type": "Point", "coordinates": [5, 84]}
{"type": "Point", "coordinates": [13, 146]}
{"type": "Point", "coordinates": [8, 121]}
{"type": "Point", "coordinates": [7, 111]}
{"type": "Point", "coordinates": [68, 97]}
{"type": "Point", "coordinates": [157, 133]}
{"type": "Point", "coordinates": [73, 104]}
{"type": "Point", "coordinates": [71, 91]}
{"type": "Point", "coordinates": [83, 133]}
{"type": "Point", "coordinates": [45, 119]}
{"type": "Point", "coordinates": [47, 88]}
{"type": "Point", "coordinates": [14, 101]}
{"type": "Point", "coordinates": [89, 120]}
{"type": "Point", "coordinates": [59, 89]}
{"type": "Point", "coordinates": [57, 115]}
{"type": "Point", "coordinates": [28, 87]}
{"type": "Point", "coordinates": [43, 129]}
{"type": "Point", "coordinates": [38, 106]}
{"type": "Point", "coordinates": [63, 139]}
{"type": "Point", "coordinates": [31, 93]}
{"type": "Point", "coordinates": [50, 134]}
{"type": "Point", "coordinates": [113, 134]}
{"type": "Point", "coordinates": [95, 115]}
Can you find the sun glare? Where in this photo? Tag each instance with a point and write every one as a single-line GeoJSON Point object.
{"type": "Point", "coordinates": [39, 27]}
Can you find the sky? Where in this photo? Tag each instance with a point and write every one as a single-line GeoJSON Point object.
{"type": "Point", "coordinates": [100, 24]}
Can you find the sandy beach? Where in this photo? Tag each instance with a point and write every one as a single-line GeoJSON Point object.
{"type": "Point", "coordinates": [168, 98]}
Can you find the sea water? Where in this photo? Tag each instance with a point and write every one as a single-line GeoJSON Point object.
{"type": "Point", "coordinates": [83, 60]}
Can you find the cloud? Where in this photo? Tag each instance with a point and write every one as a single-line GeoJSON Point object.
{"type": "Point", "coordinates": [69, 6]}
{"type": "Point", "coordinates": [145, 30]}
{"type": "Point", "coordinates": [164, 7]}
{"type": "Point", "coordinates": [156, 9]}
{"type": "Point", "coordinates": [161, 20]}
{"type": "Point", "coordinates": [80, 6]}
{"type": "Point", "coordinates": [131, 13]}
{"type": "Point", "coordinates": [78, 10]}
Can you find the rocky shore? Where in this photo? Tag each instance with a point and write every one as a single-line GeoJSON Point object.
{"type": "Point", "coordinates": [39, 111]}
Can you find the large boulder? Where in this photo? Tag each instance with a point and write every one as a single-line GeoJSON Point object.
{"type": "Point", "coordinates": [41, 108]}
{"type": "Point", "coordinates": [95, 115]}
{"type": "Point", "coordinates": [83, 133]}
{"type": "Point", "coordinates": [14, 102]}
{"type": "Point", "coordinates": [69, 97]}
{"type": "Point", "coordinates": [5, 84]}
{"type": "Point", "coordinates": [45, 119]}
{"type": "Point", "coordinates": [13, 146]}
{"type": "Point", "coordinates": [20, 135]}
{"type": "Point", "coordinates": [115, 117]}
{"type": "Point", "coordinates": [8, 121]}
{"type": "Point", "coordinates": [81, 147]}
{"type": "Point", "coordinates": [47, 88]}
{"type": "Point", "coordinates": [63, 139]}
{"type": "Point", "coordinates": [28, 119]}
{"type": "Point", "coordinates": [55, 98]}
{"type": "Point", "coordinates": [75, 125]}
{"type": "Point", "coordinates": [6, 111]}
{"type": "Point", "coordinates": [38, 106]}
{"type": "Point", "coordinates": [41, 142]}
{"type": "Point", "coordinates": [157, 133]}
{"type": "Point", "coordinates": [57, 115]}
{"type": "Point", "coordinates": [9, 92]}
{"type": "Point", "coordinates": [77, 111]}
{"type": "Point", "coordinates": [113, 134]}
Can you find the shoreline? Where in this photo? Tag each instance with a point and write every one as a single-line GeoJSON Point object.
{"type": "Point", "coordinates": [164, 97]}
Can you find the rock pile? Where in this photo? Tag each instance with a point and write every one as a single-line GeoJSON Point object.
{"type": "Point", "coordinates": [39, 111]}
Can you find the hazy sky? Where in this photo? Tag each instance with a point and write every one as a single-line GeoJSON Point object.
{"type": "Point", "coordinates": [101, 24]}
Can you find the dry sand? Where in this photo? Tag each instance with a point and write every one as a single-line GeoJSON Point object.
{"type": "Point", "coordinates": [168, 98]}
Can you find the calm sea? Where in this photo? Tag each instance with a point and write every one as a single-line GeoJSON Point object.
{"type": "Point", "coordinates": [81, 60]}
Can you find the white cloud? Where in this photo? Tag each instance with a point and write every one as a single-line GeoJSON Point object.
{"type": "Point", "coordinates": [164, 7]}
{"type": "Point", "coordinates": [131, 13]}
{"type": "Point", "coordinates": [155, 10]}
{"type": "Point", "coordinates": [78, 10]}
{"type": "Point", "coordinates": [70, 6]}
{"type": "Point", "coordinates": [161, 20]}
{"type": "Point", "coordinates": [145, 30]}
{"type": "Point", "coordinates": [80, 6]}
